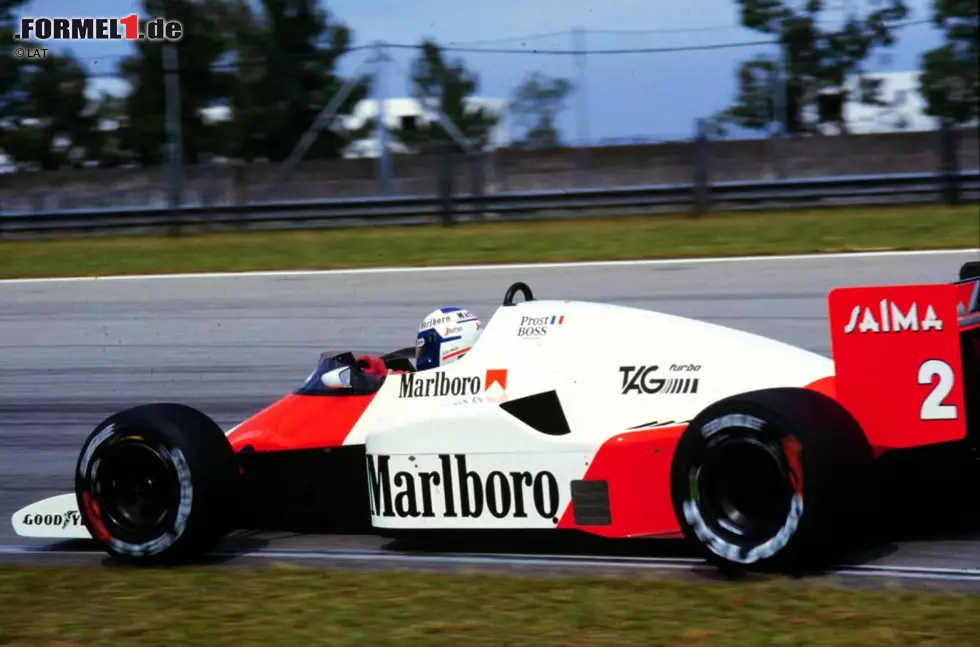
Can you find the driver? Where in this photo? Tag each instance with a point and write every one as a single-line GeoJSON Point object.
{"type": "Point", "coordinates": [444, 336]}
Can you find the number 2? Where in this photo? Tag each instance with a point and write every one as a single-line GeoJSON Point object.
{"type": "Point", "coordinates": [933, 407]}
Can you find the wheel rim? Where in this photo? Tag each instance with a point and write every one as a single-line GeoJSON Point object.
{"type": "Point", "coordinates": [744, 490]}
{"type": "Point", "coordinates": [136, 487]}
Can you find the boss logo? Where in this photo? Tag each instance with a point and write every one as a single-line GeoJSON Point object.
{"type": "Point", "coordinates": [532, 331]}
{"type": "Point", "coordinates": [538, 326]}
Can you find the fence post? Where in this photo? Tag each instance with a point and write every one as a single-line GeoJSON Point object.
{"type": "Point", "coordinates": [381, 128]}
{"type": "Point", "coordinates": [239, 188]}
{"type": "Point", "coordinates": [446, 177]}
{"type": "Point", "coordinates": [582, 152]}
{"type": "Point", "coordinates": [478, 178]}
{"type": "Point", "coordinates": [701, 175]}
{"type": "Point", "coordinates": [948, 162]}
{"type": "Point", "coordinates": [172, 101]}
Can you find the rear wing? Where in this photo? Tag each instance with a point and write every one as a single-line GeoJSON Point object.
{"type": "Point", "coordinates": [898, 360]}
{"type": "Point", "coordinates": [968, 296]}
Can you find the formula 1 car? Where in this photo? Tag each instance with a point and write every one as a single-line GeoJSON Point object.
{"type": "Point", "coordinates": [759, 453]}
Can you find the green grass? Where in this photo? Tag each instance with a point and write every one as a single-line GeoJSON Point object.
{"type": "Point", "coordinates": [97, 606]}
{"type": "Point", "coordinates": [615, 238]}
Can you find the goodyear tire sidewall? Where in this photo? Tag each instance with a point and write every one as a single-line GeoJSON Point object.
{"type": "Point", "coordinates": [116, 539]}
{"type": "Point", "coordinates": [705, 434]}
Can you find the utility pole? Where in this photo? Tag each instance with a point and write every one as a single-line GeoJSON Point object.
{"type": "Point", "coordinates": [384, 159]}
{"type": "Point", "coordinates": [578, 46]}
{"type": "Point", "coordinates": [780, 89]}
{"type": "Point", "coordinates": [175, 156]}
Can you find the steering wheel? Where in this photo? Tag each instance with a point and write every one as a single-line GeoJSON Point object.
{"type": "Point", "coordinates": [514, 289]}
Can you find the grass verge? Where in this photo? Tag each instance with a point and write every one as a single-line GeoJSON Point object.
{"type": "Point", "coordinates": [495, 242]}
{"type": "Point", "coordinates": [96, 606]}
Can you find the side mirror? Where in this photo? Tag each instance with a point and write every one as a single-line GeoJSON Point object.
{"type": "Point", "coordinates": [339, 378]}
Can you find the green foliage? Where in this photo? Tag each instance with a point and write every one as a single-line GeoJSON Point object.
{"type": "Point", "coordinates": [441, 85]}
{"type": "Point", "coordinates": [284, 76]}
{"type": "Point", "coordinates": [950, 82]}
{"type": "Point", "coordinates": [54, 126]}
{"type": "Point", "coordinates": [535, 108]}
{"type": "Point", "coordinates": [817, 63]}
{"type": "Point", "coordinates": [46, 121]}
{"type": "Point", "coordinates": [273, 66]}
{"type": "Point", "coordinates": [203, 44]}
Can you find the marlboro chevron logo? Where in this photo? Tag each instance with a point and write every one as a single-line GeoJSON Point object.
{"type": "Point", "coordinates": [438, 385]}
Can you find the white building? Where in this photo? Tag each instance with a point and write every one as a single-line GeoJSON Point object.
{"type": "Point", "coordinates": [903, 107]}
{"type": "Point", "coordinates": [401, 112]}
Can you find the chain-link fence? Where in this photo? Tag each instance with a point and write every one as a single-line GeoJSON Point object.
{"type": "Point", "coordinates": [631, 115]}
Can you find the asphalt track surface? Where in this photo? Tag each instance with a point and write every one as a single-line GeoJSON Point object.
{"type": "Point", "coordinates": [73, 352]}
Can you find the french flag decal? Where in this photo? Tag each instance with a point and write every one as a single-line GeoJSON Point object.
{"type": "Point", "coordinates": [556, 320]}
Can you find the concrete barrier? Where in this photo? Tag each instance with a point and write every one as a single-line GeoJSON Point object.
{"type": "Point", "coordinates": [514, 170]}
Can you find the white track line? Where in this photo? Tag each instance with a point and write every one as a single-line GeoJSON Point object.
{"type": "Point", "coordinates": [502, 266]}
{"type": "Point", "coordinates": [487, 559]}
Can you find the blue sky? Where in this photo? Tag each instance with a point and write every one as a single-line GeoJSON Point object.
{"type": "Point", "coordinates": [627, 96]}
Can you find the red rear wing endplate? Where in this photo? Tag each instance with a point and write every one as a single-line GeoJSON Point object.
{"type": "Point", "coordinates": [898, 365]}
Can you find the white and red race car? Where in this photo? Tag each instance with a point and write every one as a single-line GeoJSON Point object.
{"type": "Point", "coordinates": [565, 416]}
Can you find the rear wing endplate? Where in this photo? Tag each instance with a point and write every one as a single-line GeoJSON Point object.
{"type": "Point", "coordinates": [898, 362]}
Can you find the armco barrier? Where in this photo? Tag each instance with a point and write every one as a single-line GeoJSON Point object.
{"type": "Point", "coordinates": [853, 190]}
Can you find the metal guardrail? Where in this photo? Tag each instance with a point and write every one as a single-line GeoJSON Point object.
{"type": "Point", "coordinates": [834, 191]}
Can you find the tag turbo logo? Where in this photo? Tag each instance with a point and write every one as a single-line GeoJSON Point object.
{"type": "Point", "coordinates": [465, 493]}
{"type": "Point", "coordinates": [642, 379]}
{"type": "Point", "coordinates": [128, 28]}
{"type": "Point", "coordinates": [532, 327]}
{"type": "Point", "coordinates": [439, 385]}
{"type": "Point", "coordinates": [892, 319]}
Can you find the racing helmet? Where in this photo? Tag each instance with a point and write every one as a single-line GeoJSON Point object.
{"type": "Point", "coordinates": [444, 336]}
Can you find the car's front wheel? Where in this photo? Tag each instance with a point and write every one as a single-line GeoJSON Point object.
{"type": "Point", "coordinates": [154, 483]}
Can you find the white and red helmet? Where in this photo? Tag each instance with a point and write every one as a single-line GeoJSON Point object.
{"type": "Point", "coordinates": [444, 336]}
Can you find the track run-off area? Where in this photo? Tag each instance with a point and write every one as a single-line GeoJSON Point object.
{"type": "Point", "coordinates": [73, 351]}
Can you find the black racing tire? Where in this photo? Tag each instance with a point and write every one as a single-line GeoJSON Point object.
{"type": "Point", "coordinates": [774, 480]}
{"type": "Point", "coordinates": [155, 484]}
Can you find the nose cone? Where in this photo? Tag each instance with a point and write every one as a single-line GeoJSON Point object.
{"type": "Point", "coordinates": [259, 431]}
{"type": "Point", "coordinates": [301, 422]}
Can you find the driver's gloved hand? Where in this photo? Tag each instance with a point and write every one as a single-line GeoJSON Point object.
{"type": "Point", "coordinates": [371, 365]}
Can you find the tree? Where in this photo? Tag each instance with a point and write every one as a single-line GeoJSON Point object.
{"type": "Point", "coordinates": [535, 107]}
{"type": "Point", "coordinates": [285, 74]}
{"type": "Point", "coordinates": [10, 66]}
{"type": "Point", "coordinates": [202, 85]}
{"type": "Point", "coordinates": [446, 86]}
{"type": "Point", "coordinates": [55, 126]}
{"type": "Point", "coordinates": [46, 118]}
{"type": "Point", "coordinates": [11, 94]}
{"type": "Point", "coordinates": [949, 80]}
{"type": "Point", "coordinates": [818, 63]}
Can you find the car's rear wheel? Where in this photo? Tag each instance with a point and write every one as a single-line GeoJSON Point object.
{"type": "Point", "coordinates": [154, 483]}
{"type": "Point", "coordinates": [774, 479]}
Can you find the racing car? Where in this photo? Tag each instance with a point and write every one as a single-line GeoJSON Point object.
{"type": "Point", "coordinates": [759, 453]}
